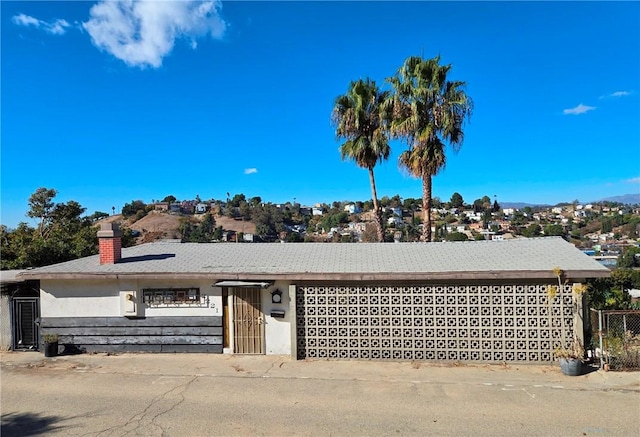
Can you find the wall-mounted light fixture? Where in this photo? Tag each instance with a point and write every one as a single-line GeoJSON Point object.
{"type": "Point", "coordinates": [276, 296]}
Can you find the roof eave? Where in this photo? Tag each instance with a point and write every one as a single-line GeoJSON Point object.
{"type": "Point", "coordinates": [574, 275]}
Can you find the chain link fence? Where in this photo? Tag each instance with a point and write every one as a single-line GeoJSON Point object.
{"type": "Point", "coordinates": [616, 338]}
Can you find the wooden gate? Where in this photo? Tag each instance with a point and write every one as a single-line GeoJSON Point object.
{"type": "Point", "coordinates": [248, 326]}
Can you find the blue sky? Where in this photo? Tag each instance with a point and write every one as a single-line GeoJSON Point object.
{"type": "Point", "coordinates": [108, 103]}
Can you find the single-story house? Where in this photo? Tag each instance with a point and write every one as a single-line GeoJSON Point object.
{"type": "Point", "coordinates": [482, 301]}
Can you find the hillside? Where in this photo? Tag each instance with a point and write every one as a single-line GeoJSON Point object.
{"type": "Point", "coordinates": [161, 225]}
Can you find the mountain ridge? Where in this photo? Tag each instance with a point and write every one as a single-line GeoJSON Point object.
{"type": "Point", "coordinates": [626, 199]}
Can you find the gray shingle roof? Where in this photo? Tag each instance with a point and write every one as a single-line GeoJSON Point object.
{"type": "Point", "coordinates": [10, 276]}
{"type": "Point", "coordinates": [519, 258]}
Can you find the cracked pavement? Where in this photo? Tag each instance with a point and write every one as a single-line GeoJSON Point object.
{"type": "Point", "coordinates": [202, 394]}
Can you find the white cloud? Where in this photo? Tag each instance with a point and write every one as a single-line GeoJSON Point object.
{"type": "Point", "coordinates": [56, 27]}
{"type": "Point", "coordinates": [141, 33]}
{"type": "Point", "coordinates": [250, 170]}
{"type": "Point", "coordinates": [620, 94]}
{"type": "Point", "coordinates": [617, 94]}
{"type": "Point", "coordinates": [633, 181]}
{"type": "Point", "coordinates": [580, 109]}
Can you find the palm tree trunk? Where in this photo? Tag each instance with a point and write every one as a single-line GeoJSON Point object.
{"type": "Point", "coordinates": [426, 208]}
{"type": "Point", "coordinates": [376, 207]}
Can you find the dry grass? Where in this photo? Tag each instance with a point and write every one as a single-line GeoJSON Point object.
{"type": "Point", "coordinates": [161, 225]}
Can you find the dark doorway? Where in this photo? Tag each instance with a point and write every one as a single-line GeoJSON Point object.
{"type": "Point", "coordinates": [25, 311]}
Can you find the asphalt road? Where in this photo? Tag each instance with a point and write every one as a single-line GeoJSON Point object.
{"type": "Point", "coordinates": [189, 396]}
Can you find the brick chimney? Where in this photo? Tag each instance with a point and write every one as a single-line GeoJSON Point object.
{"type": "Point", "coordinates": [110, 241]}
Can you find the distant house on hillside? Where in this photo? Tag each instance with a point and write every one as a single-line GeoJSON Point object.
{"type": "Point", "coordinates": [306, 210]}
{"type": "Point", "coordinates": [579, 213]}
{"type": "Point", "coordinates": [201, 208]}
{"type": "Point", "coordinates": [394, 211]}
{"type": "Point", "coordinates": [161, 206]}
{"type": "Point", "coordinates": [357, 226]}
{"type": "Point", "coordinates": [472, 215]}
{"type": "Point", "coordinates": [175, 207]}
{"type": "Point", "coordinates": [229, 236]}
{"type": "Point", "coordinates": [395, 221]}
{"type": "Point", "coordinates": [188, 206]}
{"type": "Point", "coordinates": [352, 208]}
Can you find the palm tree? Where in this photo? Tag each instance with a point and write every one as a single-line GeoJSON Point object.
{"type": "Point", "coordinates": [426, 110]}
{"type": "Point", "coordinates": [357, 119]}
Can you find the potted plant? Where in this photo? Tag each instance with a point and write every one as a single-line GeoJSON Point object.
{"type": "Point", "coordinates": [50, 345]}
{"type": "Point", "coordinates": [569, 356]}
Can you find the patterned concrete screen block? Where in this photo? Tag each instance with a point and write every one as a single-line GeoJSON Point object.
{"type": "Point", "coordinates": [484, 323]}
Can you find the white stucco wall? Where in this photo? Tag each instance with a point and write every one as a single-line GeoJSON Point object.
{"type": "Point", "coordinates": [277, 331]}
{"type": "Point", "coordinates": [80, 298]}
{"type": "Point", "coordinates": [103, 298]}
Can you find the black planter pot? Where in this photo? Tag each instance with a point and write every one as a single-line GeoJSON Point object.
{"type": "Point", "coordinates": [50, 349]}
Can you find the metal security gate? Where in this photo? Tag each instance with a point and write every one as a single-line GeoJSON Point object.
{"type": "Point", "coordinates": [248, 326]}
{"type": "Point", "coordinates": [488, 323]}
{"type": "Point", "coordinates": [25, 331]}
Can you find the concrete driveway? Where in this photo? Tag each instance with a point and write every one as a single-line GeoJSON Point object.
{"type": "Point", "coordinates": [203, 394]}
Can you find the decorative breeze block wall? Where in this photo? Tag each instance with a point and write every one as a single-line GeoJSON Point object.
{"type": "Point", "coordinates": [485, 323]}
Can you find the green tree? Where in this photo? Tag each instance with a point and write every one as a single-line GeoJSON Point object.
{"type": "Point", "coordinates": [456, 236]}
{"type": "Point", "coordinates": [62, 234]}
{"type": "Point", "coordinates": [269, 221]}
{"type": "Point", "coordinates": [186, 229]}
{"type": "Point", "coordinates": [235, 202]}
{"type": "Point", "coordinates": [358, 120]}
{"type": "Point", "coordinates": [486, 203]}
{"type": "Point", "coordinates": [131, 209]}
{"type": "Point", "coordinates": [533, 230]}
{"type": "Point", "coordinates": [169, 199]}
{"type": "Point", "coordinates": [98, 215]}
{"type": "Point", "coordinates": [487, 217]}
{"type": "Point", "coordinates": [477, 205]}
{"type": "Point", "coordinates": [41, 206]}
{"type": "Point", "coordinates": [245, 210]}
{"type": "Point", "coordinates": [128, 239]}
{"type": "Point", "coordinates": [456, 200]}
{"type": "Point", "coordinates": [255, 201]}
{"type": "Point", "coordinates": [426, 111]}
{"type": "Point", "coordinates": [332, 220]}
{"type": "Point", "coordinates": [294, 237]}
{"type": "Point", "coordinates": [518, 219]}
{"type": "Point", "coordinates": [612, 292]}
{"type": "Point", "coordinates": [554, 230]}
{"type": "Point", "coordinates": [629, 258]}
{"type": "Point", "coordinates": [204, 233]}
